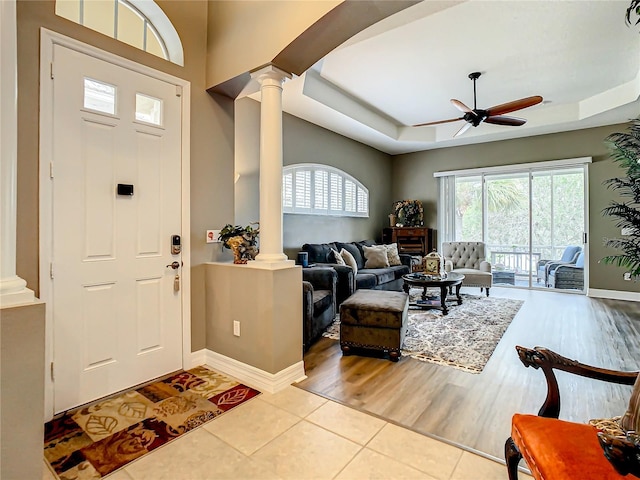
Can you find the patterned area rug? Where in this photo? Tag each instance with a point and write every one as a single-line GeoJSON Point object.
{"type": "Point", "coordinates": [95, 440]}
{"type": "Point", "coordinates": [463, 339]}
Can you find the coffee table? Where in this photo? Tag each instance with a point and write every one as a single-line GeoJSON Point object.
{"type": "Point", "coordinates": [443, 283]}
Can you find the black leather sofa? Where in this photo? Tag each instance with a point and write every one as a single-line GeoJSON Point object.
{"type": "Point", "coordinates": [389, 278]}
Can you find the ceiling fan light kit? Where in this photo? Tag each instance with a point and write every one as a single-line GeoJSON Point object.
{"type": "Point", "coordinates": [494, 115]}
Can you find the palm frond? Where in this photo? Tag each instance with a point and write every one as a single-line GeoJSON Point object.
{"type": "Point", "coordinates": [623, 211]}
{"type": "Point", "coordinates": [626, 261]}
{"type": "Point", "coordinates": [634, 7]}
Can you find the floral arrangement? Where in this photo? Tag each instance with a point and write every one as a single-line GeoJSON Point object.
{"type": "Point", "coordinates": [409, 213]}
{"type": "Point", "coordinates": [243, 241]}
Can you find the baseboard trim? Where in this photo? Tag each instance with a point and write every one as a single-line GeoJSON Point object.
{"type": "Point", "coordinates": [613, 294]}
{"type": "Point", "coordinates": [197, 358]}
{"type": "Point", "coordinates": [248, 374]}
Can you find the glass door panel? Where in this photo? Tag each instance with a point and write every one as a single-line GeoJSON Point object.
{"type": "Point", "coordinates": [507, 228]}
{"type": "Point", "coordinates": [558, 222]}
{"type": "Point", "coordinates": [468, 207]}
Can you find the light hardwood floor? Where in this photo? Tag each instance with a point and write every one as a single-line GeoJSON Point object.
{"type": "Point", "coordinates": [474, 410]}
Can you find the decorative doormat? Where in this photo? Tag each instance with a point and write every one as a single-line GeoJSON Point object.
{"type": "Point", "coordinates": [463, 339]}
{"type": "Point", "coordinates": [95, 440]}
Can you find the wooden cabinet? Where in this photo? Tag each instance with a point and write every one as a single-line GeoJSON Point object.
{"type": "Point", "coordinates": [410, 240]}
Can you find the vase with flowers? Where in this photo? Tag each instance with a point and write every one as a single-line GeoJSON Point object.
{"type": "Point", "coordinates": [242, 241]}
{"type": "Point", "coordinates": [408, 213]}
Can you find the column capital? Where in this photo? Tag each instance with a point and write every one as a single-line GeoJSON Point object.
{"type": "Point", "coordinates": [270, 75]}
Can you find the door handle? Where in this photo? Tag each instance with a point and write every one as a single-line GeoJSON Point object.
{"type": "Point", "coordinates": [174, 265]}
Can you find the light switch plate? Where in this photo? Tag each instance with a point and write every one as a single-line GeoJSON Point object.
{"type": "Point", "coordinates": [212, 236]}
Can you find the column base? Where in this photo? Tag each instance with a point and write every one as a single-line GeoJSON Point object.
{"type": "Point", "coordinates": [14, 291]}
{"type": "Point", "coordinates": [19, 298]}
{"type": "Point", "coordinates": [271, 257]}
{"type": "Point", "coordinates": [272, 265]}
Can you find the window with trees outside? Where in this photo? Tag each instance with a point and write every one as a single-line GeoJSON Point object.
{"type": "Point", "coordinates": [139, 23]}
{"type": "Point", "coordinates": [523, 214]}
{"type": "Point", "coordinates": [315, 189]}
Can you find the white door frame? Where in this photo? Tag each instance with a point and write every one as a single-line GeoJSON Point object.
{"type": "Point", "coordinates": [48, 39]}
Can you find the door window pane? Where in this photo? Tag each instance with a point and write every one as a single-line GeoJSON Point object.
{"type": "Point", "coordinates": [99, 96]}
{"type": "Point", "coordinates": [148, 109]}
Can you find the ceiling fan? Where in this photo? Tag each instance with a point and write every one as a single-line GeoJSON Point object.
{"type": "Point", "coordinates": [495, 115]}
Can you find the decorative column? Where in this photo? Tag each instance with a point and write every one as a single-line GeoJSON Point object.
{"type": "Point", "coordinates": [13, 289]}
{"type": "Point", "coordinates": [270, 79]}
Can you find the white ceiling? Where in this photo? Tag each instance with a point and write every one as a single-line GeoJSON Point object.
{"type": "Point", "coordinates": [580, 56]}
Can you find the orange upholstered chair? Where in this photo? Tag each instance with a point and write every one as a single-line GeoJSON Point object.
{"type": "Point", "coordinates": [559, 450]}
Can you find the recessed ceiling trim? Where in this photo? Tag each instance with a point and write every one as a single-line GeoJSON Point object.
{"type": "Point", "coordinates": [323, 91]}
{"type": "Point", "coordinates": [609, 99]}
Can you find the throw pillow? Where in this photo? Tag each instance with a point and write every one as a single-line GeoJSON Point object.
{"type": "Point", "coordinates": [337, 257]}
{"type": "Point", "coordinates": [393, 255]}
{"type": "Point", "coordinates": [354, 250]}
{"type": "Point", "coordinates": [631, 418]}
{"type": "Point", "coordinates": [376, 257]}
{"type": "Point", "coordinates": [349, 260]}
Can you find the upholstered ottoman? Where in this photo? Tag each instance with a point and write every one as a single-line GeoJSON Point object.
{"type": "Point", "coordinates": [375, 319]}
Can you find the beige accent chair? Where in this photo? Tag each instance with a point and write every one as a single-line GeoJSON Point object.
{"type": "Point", "coordinates": [468, 258]}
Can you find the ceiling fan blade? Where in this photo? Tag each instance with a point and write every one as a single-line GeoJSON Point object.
{"type": "Point", "coordinates": [461, 106]}
{"type": "Point", "coordinates": [514, 105]}
{"type": "Point", "coordinates": [504, 120]}
{"type": "Point", "coordinates": [438, 122]}
{"type": "Point", "coordinates": [464, 128]}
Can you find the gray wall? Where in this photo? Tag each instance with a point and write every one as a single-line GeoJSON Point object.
{"type": "Point", "coordinates": [307, 143]}
{"type": "Point", "coordinates": [413, 178]}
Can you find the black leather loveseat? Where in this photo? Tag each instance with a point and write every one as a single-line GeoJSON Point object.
{"type": "Point", "coordinates": [388, 278]}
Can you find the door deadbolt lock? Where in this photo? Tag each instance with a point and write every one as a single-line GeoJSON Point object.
{"type": "Point", "coordinates": [176, 245]}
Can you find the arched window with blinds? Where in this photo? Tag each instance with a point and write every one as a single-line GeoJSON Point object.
{"type": "Point", "coordinates": [314, 189]}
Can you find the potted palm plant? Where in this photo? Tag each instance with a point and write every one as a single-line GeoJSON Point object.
{"type": "Point", "coordinates": [625, 151]}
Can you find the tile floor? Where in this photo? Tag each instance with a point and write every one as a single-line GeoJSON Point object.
{"type": "Point", "coordinates": [297, 435]}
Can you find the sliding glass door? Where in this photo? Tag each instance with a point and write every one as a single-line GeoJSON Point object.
{"type": "Point", "coordinates": [525, 217]}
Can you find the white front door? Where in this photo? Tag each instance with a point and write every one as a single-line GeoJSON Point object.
{"type": "Point", "coordinates": [116, 173]}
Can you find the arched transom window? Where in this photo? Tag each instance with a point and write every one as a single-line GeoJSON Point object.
{"type": "Point", "coordinates": [139, 23]}
{"type": "Point", "coordinates": [315, 189]}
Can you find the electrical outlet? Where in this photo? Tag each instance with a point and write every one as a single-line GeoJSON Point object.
{"type": "Point", "coordinates": [236, 328]}
{"type": "Point", "coordinates": [627, 275]}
